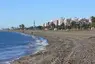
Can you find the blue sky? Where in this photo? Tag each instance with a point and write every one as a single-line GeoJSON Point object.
{"type": "Point", "coordinates": [15, 12]}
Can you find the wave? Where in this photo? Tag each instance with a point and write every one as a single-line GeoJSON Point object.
{"type": "Point", "coordinates": [13, 53]}
{"type": "Point", "coordinates": [7, 62]}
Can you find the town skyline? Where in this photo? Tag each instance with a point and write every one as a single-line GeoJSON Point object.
{"type": "Point", "coordinates": [60, 21]}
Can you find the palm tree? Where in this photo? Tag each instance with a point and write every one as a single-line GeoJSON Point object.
{"type": "Point", "coordinates": [73, 24]}
{"type": "Point", "coordinates": [52, 25]}
{"type": "Point", "coordinates": [62, 25]}
{"type": "Point", "coordinates": [93, 21]}
{"type": "Point", "coordinates": [57, 24]}
{"type": "Point", "coordinates": [12, 28]}
{"type": "Point", "coordinates": [68, 24]}
{"type": "Point", "coordinates": [22, 27]}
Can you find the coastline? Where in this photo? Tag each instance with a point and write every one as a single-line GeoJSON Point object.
{"type": "Point", "coordinates": [39, 45]}
{"type": "Point", "coordinates": [63, 48]}
{"type": "Point", "coordinates": [40, 49]}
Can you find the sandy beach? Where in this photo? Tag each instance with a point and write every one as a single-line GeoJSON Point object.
{"type": "Point", "coordinates": [72, 47]}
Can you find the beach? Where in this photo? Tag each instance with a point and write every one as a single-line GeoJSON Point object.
{"type": "Point", "coordinates": [65, 47]}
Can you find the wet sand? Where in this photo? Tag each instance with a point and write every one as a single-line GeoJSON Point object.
{"type": "Point", "coordinates": [73, 47]}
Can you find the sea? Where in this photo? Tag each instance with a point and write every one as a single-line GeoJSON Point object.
{"type": "Point", "coordinates": [14, 45]}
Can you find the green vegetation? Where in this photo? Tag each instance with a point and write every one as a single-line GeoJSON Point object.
{"type": "Point", "coordinates": [22, 26]}
{"type": "Point", "coordinates": [93, 21]}
{"type": "Point", "coordinates": [71, 24]}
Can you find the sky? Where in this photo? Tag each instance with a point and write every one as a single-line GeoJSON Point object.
{"type": "Point", "coordinates": [16, 12]}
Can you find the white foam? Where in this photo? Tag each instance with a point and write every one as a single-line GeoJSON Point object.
{"type": "Point", "coordinates": [39, 43]}
{"type": "Point", "coordinates": [7, 62]}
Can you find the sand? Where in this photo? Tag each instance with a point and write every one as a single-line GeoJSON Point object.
{"type": "Point", "coordinates": [73, 47]}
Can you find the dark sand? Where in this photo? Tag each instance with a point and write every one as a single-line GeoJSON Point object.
{"type": "Point", "coordinates": [74, 47]}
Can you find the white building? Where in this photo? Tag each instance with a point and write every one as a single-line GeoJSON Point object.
{"type": "Point", "coordinates": [55, 22]}
{"type": "Point", "coordinates": [60, 21]}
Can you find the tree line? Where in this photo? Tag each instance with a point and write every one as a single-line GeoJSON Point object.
{"type": "Point", "coordinates": [72, 25]}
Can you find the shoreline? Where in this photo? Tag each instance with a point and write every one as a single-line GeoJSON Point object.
{"type": "Point", "coordinates": [40, 53]}
{"type": "Point", "coordinates": [42, 43]}
{"type": "Point", "coordinates": [40, 50]}
{"type": "Point", "coordinates": [64, 48]}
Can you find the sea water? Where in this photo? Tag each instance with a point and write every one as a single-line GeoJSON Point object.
{"type": "Point", "coordinates": [14, 45]}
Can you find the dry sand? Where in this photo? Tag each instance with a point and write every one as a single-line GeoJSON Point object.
{"type": "Point", "coordinates": [73, 47]}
